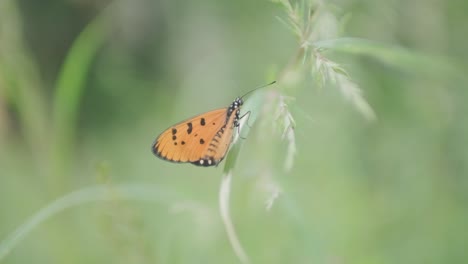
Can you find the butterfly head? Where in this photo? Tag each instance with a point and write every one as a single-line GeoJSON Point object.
{"type": "Point", "coordinates": [237, 103]}
{"type": "Point", "coordinates": [235, 108]}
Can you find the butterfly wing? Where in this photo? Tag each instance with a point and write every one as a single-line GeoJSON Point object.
{"type": "Point", "coordinates": [202, 140]}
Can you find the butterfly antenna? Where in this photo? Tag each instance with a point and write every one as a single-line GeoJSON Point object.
{"type": "Point", "coordinates": [260, 87]}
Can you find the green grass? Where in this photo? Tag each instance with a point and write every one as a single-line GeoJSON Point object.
{"type": "Point", "coordinates": [68, 94]}
{"type": "Point", "coordinates": [358, 154]}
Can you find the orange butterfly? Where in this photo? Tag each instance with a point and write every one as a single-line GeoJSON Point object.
{"type": "Point", "coordinates": [202, 140]}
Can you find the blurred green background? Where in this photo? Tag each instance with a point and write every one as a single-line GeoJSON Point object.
{"type": "Point", "coordinates": [86, 86]}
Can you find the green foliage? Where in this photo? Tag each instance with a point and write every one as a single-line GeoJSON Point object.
{"type": "Point", "coordinates": [70, 86]}
{"type": "Point", "coordinates": [84, 89]}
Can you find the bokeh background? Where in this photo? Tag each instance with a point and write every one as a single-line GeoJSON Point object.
{"type": "Point", "coordinates": [86, 86]}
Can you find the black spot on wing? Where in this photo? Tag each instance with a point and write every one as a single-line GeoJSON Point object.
{"type": "Point", "coordinates": [202, 141]}
{"type": "Point", "coordinates": [190, 127]}
{"type": "Point", "coordinates": [202, 121]}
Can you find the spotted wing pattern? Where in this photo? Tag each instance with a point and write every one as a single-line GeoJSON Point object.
{"type": "Point", "coordinates": [202, 140]}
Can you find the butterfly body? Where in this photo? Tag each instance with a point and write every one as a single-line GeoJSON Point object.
{"type": "Point", "coordinates": [202, 140]}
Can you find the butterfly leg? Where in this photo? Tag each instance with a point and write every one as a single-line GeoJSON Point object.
{"type": "Point", "coordinates": [248, 117]}
{"type": "Point", "coordinates": [247, 122]}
